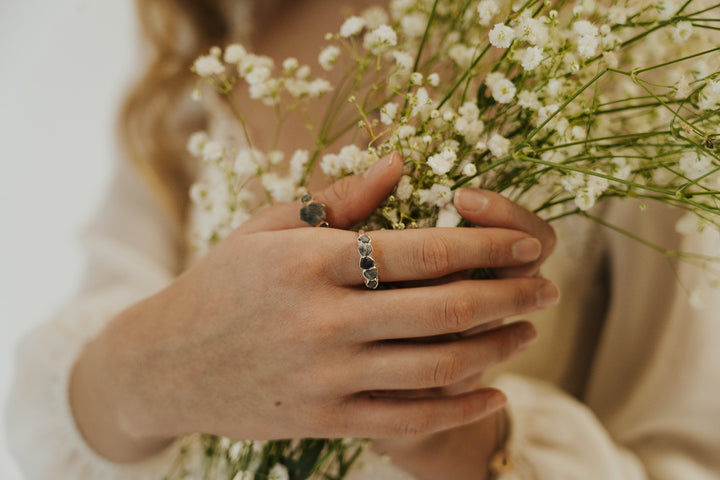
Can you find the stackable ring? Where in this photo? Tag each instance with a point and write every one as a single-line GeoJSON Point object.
{"type": "Point", "coordinates": [312, 212]}
{"type": "Point", "coordinates": [367, 263]}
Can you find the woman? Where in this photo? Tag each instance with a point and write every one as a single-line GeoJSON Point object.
{"type": "Point", "coordinates": [272, 334]}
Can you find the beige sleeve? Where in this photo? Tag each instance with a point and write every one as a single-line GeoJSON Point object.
{"type": "Point", "coordinates": [651, 408]}
{"type": "Point", "coordinates": [132, 252]}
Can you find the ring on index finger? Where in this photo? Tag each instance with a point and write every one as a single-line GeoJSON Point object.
{"type": "Point", "coordinates": [312, 212]}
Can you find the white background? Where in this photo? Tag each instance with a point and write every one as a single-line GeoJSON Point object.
{"type": "Point", "coordinates": [64, 65]}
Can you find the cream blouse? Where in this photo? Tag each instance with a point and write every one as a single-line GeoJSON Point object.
{"type": "Point", "coordinates": [623, 383]}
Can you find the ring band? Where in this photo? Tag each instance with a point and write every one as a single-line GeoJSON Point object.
{"type": "Point", "coordinates": [367, 263]}
{"type": "Point", "coordinates": [312, 212]}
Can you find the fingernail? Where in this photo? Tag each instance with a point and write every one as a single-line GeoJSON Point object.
{"type": "Point", "coordinates": [526, 250]}
{"type": "Point", "coordinates": [471, 200]}
{"type": "Point", "coordinates": [496, 401]}
{"type": "Point", "coordinates": [381, 165]}
{"type": "Point", "coordinates": [548, 295]}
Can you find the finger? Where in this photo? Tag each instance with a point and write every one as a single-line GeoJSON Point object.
{"type": "Point", "coordinates": [430, 253]}
{"type": "Point", "coordinates": [489, 209]}
{"type": "Point", "coordinates": [446, 309]}
{"type": "Point", "coordinates": [412, 365]}
{"type": "Point", "coordinates": [347, 201]}
{"type": "Point", "coordinates": [382, 417]}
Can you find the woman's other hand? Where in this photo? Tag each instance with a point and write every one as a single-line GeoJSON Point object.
{"type": "Point", "coordinates": [273, 334]}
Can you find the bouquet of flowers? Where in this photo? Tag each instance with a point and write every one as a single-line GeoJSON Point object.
{"type": "Point", "coordinates": [556, 104]}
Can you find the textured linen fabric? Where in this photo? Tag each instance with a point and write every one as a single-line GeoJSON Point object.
{"type": "Point", "coordinates": [622, 384]}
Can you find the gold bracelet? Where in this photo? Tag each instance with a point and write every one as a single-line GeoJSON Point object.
{"type": "Point", "coordinates": [501, 461]}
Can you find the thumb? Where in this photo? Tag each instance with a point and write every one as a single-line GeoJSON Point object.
{"type": "Point", "coordinates": [347, 201]}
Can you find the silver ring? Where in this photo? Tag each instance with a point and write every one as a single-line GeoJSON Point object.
{"type": "Point", "coordinates": [312, 212]}
{"type": "Point", "coordinates": [367, 263]}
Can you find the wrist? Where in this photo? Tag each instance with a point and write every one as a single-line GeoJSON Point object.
{"type": "Point", "coordinates": [113, 416]}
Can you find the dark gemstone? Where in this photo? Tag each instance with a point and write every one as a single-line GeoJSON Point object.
{"type": "Point", "coordinates": [371, 273]}
{"type": "Point", "coordinates": [364, 238]}
{"type": "Point", "coordinates": [323, 224]}
{"type": "Point", "coordinates": [365, 249]}
{"type": "Point", "coordinates": [372, 284]}
{"type": "Point", "coordinates": [306, 198]}
{"type": "Point", "coordinates": [313, 213]}
{"type": "Point", "coordinates": [367, 262]}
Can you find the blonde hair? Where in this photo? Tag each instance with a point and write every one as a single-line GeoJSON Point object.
{"type": "Point", "coordinates": [155, 119]}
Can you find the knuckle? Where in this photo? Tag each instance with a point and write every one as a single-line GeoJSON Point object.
{"type": "Point", "coordinates": [338, 191]}
{"type": "Point", "coordinates": [414, 426]}
{"type": "Point", "coordinates": [494, 252]}
{"type": "Point", "coordinates": [448, 369]}
{"type": "Point", "coordinates": [523, 297]}
{"type": "Point", "coordinates": [435, 254]}
{"type": "Point", "coordinates": [456, 314]}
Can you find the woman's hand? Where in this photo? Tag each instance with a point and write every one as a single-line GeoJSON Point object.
{"type": "Point", "coordinates": [273, 335]}
{"type": "Point", "coordinates": [465, 451]}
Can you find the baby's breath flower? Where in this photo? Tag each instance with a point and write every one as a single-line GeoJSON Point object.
{"type": "Point", "coordinates": [469, 110]}
{"type": "Point", "coordinates": [375, 16]}
{"type": "Point", "coordinates": [319, 87]}
{"type": "Point", "coordinates": [413, 25]}
{"type": "Point", "coordinates": [665, 9]}
{"type": "Point", "coordinates": [208, 65]}
{"type": "Point", "coordinates": [683, 88]}
{"type": "Point", "coordinates": [234, 53]}
{"type": "Point", "coordinates": [498, 145]}
{"type": "Point", "coordinates": [303, 73]}
{"type": "Point", "coordinates": [694, 164]}
{"type": "Point", "coordinates": [328, 57]}
{"type": "Point", "coordinates": [246, 475]}
{"type": "Point", "coordinates": [212, 151]}
{"type": "Point", "coordinates": [492, 78]}
{"type": "Point", "coordinates": [617, 14]}
{"type": "Point", "coordinates": [461, 54]}
{"type": "Point", "coordinates": [298, 163]}
{"type": "Point", "coordinates": [352, 27]}
{"type": "Point", "coordinates": [388, 113]}
{"type": "Point", "coordinates": [422, 104]}
{"type": "Point", "coordinates": [469, 170]}
{"type": "Point", "coordinates": [501, 36]}
{"type": "Point", "coordinates": [531, 58]}
{"type": "Point", "coordinates": [280, 189]}
{"type": "Point", "coordinates": [275, 157]}
{"type": "Point", "coordinates": [196, 143]}
{"type": "Point", "coordinates": [438, 195]}
{"type": "Point", "coordinates": [416, 78]}
{"type": "Point", "coordinates": [380, 40]}
{"type": "Point", "coordinates": [448, 217]}
{"type": "Point", "coordinates": [433, 79]}
{"type": "Point", "coordinates": [528, 99]}
{"type": "Point", "coordinates": [682, 31]}
{"type": "Point", "coordinates": [585, 28]}
{"type": "Point", "coordinates": [406, 131]}
{"type": "Point", "coordinates": [278, 472]}
{"type": "Point", "coordinates": [404, 189]}
{"type": "Point", "coordinates": [442, 162]}
{"type": "Point", "coordinates": [403, 60]}
{"type": "Point", "coordinates": [470, 129]}
{"type": "Point", "coordinates": [290, 65]}
{"type": "Point", "coordinates": [611, 59]}
{"type": "Point", "coordinates": [486, 10]}
{"type": "Point", "coordinates": [503, 91]}
{"type": "Point", "coordinates": [546, 111]}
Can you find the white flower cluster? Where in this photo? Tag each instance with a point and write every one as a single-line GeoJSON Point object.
{"type": "Point", "coordinates": [555, 104]}
{"type": "Point", "coordinates": [257, 71]}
